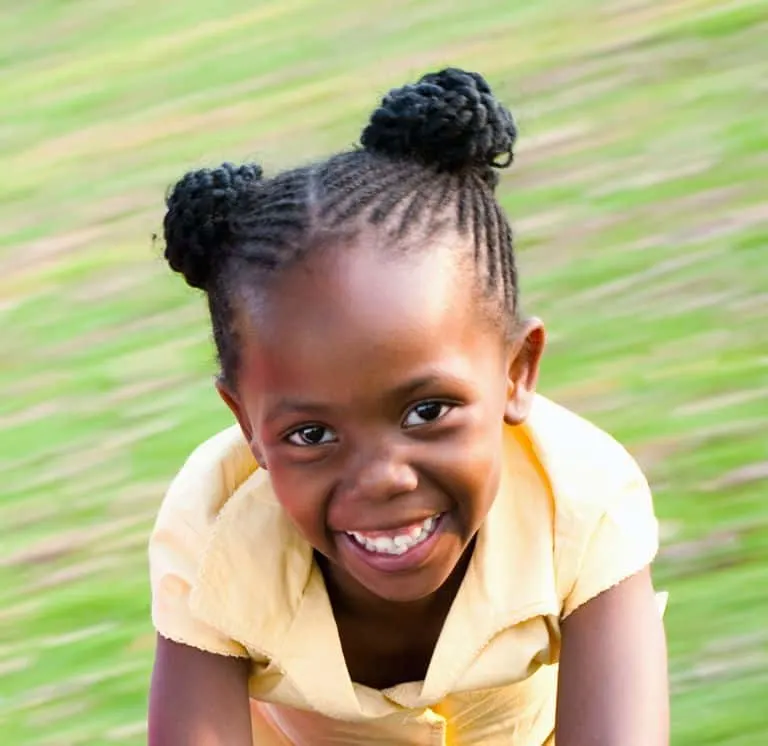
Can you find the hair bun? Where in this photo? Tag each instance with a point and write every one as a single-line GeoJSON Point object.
{"type": "Point", "coordinates": [449, 119]}
{"type": "Point", "coordinates": [197, 221]}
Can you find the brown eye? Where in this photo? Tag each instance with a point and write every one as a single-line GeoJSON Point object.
{"type": "Point", "coordinates": [312, 435]}
{"type": "Point", "coordinates": [426, 412]}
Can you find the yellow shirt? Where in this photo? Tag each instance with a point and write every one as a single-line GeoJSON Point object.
{"type": "Point", "coordinates": [231, 575]}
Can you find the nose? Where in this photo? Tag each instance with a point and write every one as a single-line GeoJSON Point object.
{"type": "Point", "coordinates": [380, 475]}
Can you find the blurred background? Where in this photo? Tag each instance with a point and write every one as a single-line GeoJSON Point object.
{"type": "Point", "coordinates": [640, 202]}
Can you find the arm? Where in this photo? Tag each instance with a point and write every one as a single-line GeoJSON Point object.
{"type": "Point", "coordinates": [198, 698]}
{"type": "Point", "coordinates": [613, 688]}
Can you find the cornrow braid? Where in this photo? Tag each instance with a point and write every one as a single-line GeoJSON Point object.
{"type": "Point", "coordinates": [273, 217]}
{"type": "Point", "coordinates": [429, 159]}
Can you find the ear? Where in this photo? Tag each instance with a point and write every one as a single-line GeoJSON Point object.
{"type": "Point", "coordinates": [230, 398]}
{"type": "Point", "coordinates": [523, 370]}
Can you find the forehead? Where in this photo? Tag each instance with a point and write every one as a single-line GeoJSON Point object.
{"type": "Point", "coordinates": [363, 312]}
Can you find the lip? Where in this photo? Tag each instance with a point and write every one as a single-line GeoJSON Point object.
{"type": "Point", "coordinates": [393, 563]}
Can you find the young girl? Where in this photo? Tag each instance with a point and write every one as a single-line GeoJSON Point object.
{"type": "Point", "coordinates": [400, 542]}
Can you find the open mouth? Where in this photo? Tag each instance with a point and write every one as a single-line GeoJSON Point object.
{"type": "Point", "coordinates": [397, 541]}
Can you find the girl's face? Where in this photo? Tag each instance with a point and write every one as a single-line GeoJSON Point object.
{"type": "Point", "coordinates": [374, 389]}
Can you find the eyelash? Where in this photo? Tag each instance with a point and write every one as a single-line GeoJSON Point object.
{"type": "Point", "coordinates": [445, 408]}
{"type": "Point", "coordinates": [305, 428]}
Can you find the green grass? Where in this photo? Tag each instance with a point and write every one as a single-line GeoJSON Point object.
{"type": "Point", "coordinates": [639, 199]}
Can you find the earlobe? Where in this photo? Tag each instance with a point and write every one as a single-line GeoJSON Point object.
{"type": "Point", "coordinates": [523, 371]}
{"type": "Point", "coordinates": [230, 398]}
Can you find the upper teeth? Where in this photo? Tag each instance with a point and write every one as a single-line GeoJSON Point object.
{"type": "Point", "coordinates": [396, 543]}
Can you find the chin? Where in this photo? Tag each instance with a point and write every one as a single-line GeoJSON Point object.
{"type": "Point", "coordinates": [404, 591]}
{"type": "Point", "coordinates": [409, 576]}
{"type": "Point", "coordinates": [418, 584]}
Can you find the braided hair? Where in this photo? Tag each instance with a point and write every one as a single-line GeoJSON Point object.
{"type": "Point", "coordinates": [428, 161]}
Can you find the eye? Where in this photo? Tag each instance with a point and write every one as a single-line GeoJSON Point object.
{"type": "Point", "coordinates": [311, 435]}
{"type": "Point", "coordinates": [426, 412]}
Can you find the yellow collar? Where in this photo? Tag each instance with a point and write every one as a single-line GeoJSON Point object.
{"type": "Point", "coordinates": [259, 585]}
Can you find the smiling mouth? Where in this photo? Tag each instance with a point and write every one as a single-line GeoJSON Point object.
{"type": "Point", "coordinates": [398, 541]}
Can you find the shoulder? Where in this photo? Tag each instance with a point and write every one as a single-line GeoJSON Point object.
{"type": "Point", "coordinates": [586, 466]}
{"type": "Point", "coordinates": [209, 477]}
{"type": "Point", "coordinates": [604, 525]}
{"type": "Point", "coordinates": [183, 529]}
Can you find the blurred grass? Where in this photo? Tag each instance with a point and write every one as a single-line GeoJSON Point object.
{"type": "Point", "coordinates": [639, 199]}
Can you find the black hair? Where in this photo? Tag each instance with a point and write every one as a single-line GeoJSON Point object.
{"type": "Point", "coordinates": [427, 160]}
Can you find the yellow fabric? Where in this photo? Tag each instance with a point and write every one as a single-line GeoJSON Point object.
{"type": "Point", "coordinates": [230, 575]}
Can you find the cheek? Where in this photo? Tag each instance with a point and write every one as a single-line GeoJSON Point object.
{"type": "Point", "coordinates": [469, 470]}
{"type": "Point", "coordinates": [481, 469]}
{"type": "Point", "coordinates": [302, 497]}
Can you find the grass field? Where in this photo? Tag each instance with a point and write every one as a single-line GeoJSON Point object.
{"type": "Point", "coordinates": [640, 200]}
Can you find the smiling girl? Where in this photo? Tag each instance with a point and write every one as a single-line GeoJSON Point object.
{"type": "Point", "coordinates": [400, 542]}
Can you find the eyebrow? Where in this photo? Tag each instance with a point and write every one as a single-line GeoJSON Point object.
{"type": "Point", "coordinates": [397, 393]}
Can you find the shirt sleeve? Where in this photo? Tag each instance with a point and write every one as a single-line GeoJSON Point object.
{"type": "Point", "coordinates": [172, 572]}
{"type": "Point", "coordinates": [176, 545]}
{"type": "Point", "coordinates": [622, 541]}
